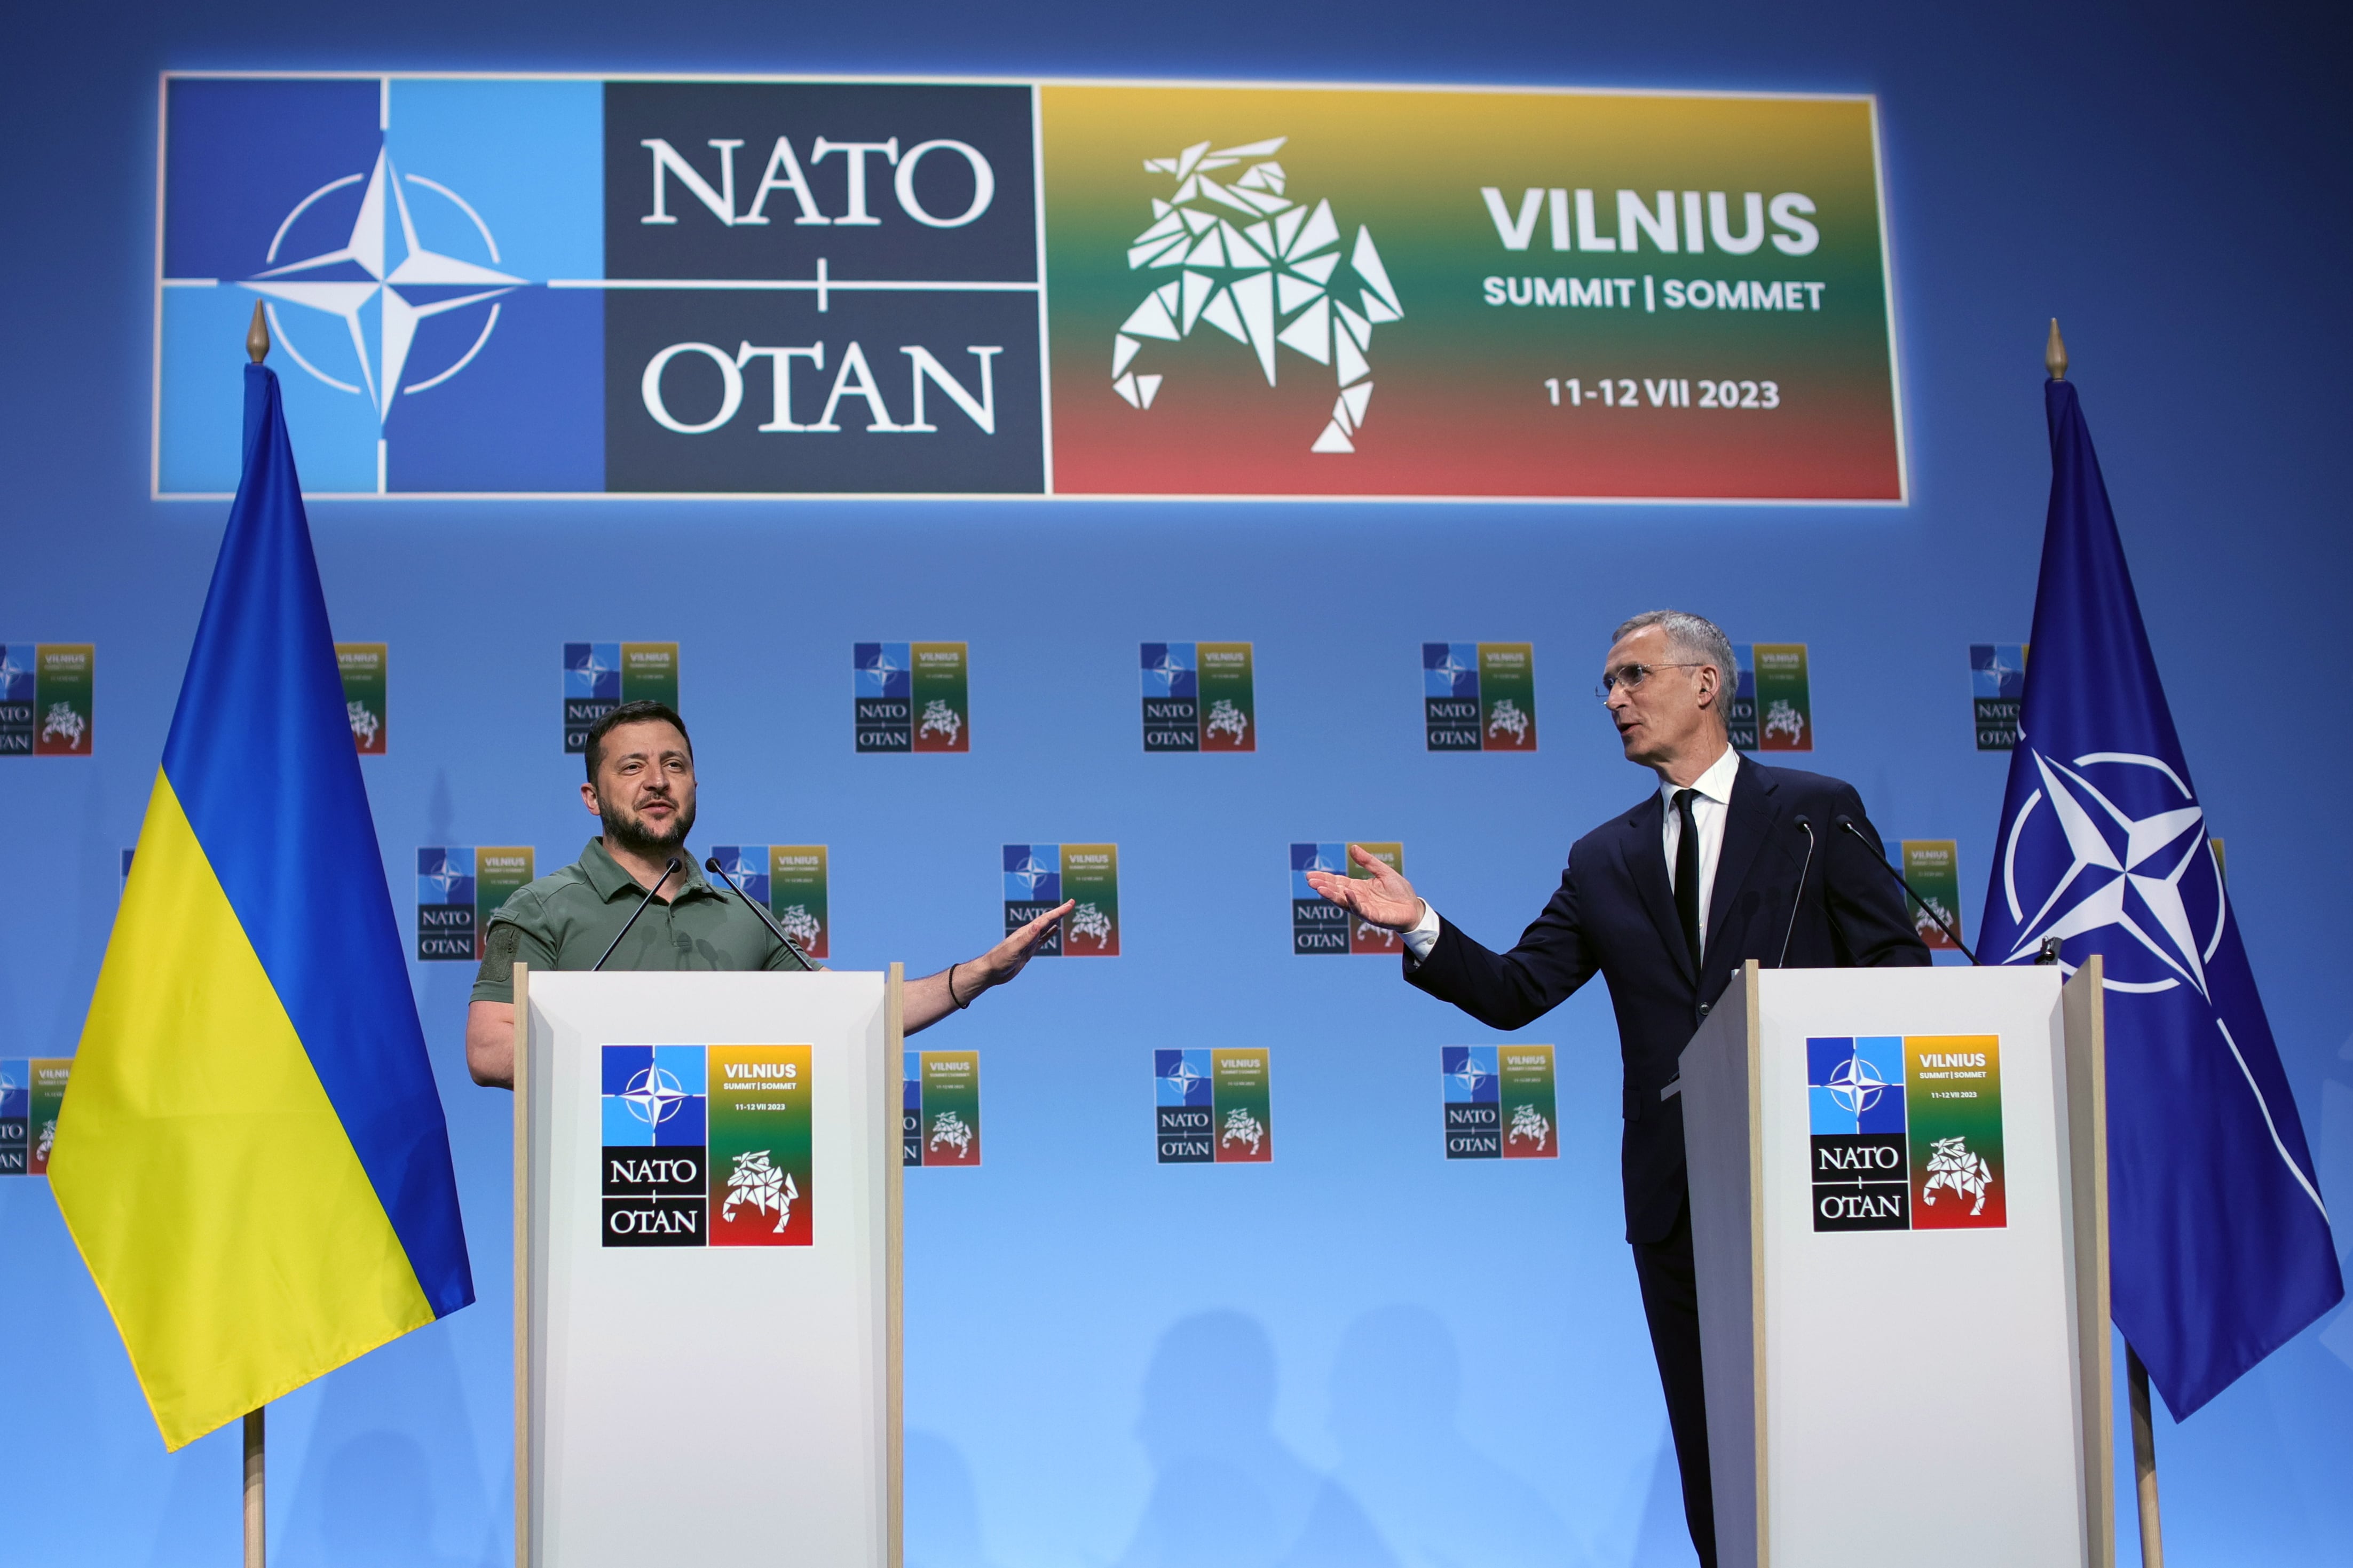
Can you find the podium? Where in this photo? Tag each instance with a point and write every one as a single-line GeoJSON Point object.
{"type": "Point", "coordinates": [1898, 1208]}
{"type": "Point", "coordinates": [707, 1269]}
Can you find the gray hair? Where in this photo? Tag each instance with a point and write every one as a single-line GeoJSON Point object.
{"type": "Point", "coordinates": [1694, 637]}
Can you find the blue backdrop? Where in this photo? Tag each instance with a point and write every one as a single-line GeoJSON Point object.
{"type": "Point", "coordinates": [1361, 1353]}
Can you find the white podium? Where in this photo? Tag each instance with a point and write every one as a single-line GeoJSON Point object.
{"type": "Point", "coordinates": [707, 1269]}
{"type": "Point", "coordinates": [1898, 1191]}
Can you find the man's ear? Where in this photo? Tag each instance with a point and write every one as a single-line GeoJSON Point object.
{"type": "Point", "coordinates": [1708, 686]}
{"type": "Point", "coordinates": [588, 799]}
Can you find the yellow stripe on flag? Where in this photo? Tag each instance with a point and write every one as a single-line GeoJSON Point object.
{"type": "Point", "coordinates": [206, 1176]}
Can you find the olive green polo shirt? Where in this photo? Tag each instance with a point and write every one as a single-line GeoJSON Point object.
{"type": "Point", "coordinates": [567, 919]}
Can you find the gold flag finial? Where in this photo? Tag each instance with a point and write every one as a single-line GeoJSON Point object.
{"type": "Point", "coordinates": [2054, 354]}
{"type": "Point", "coordinates": [256, 336]}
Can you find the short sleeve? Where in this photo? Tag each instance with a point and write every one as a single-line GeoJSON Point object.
{"type": "Point", "coordinates": [508, 943]}
{"type": "Point", "coordinates": [790, 960]}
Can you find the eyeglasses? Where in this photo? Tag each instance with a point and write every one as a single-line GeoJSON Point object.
{"type": "Point", "coordinates": [1631, 676]}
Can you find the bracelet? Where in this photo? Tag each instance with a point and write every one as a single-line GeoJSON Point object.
{"type": "Point", "coordinates": [960, 1006]}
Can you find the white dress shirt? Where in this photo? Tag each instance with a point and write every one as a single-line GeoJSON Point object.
{"type": "Point", "coordinates": [1711, 800]}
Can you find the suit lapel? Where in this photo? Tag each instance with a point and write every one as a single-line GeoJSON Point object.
{"type": "Point", "coordinates": [1643, 845]}
{"type": "Point", "coordinates": [1748, 821]}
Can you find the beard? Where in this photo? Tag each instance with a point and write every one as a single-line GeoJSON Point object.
{"type": "Point", "coordinates": [630, 831]}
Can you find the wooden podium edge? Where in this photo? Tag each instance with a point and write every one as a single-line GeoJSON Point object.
{"type": "Point", "coordinates": [521, 1073]}
{"type": "Point", "coordinates": [1752, 987]}
{"type": "Point", "coordinates": [894, 1271]}
{"type": "Point", "coordinates": [2084, 1037]}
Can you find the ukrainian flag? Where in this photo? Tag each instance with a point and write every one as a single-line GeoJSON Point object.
{"type": "Point", "coordinates": [252, 1155]}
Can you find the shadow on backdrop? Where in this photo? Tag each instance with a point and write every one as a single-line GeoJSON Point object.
{"type": "Point", "coordinates": [941, 1511]}
{"type": "Point", "coordinates": [1442, 1501]}
{"type": "Point", "coordinates": [1226, 1491]}
{"type": "Point", "coordinates": [391, 1474]}
{"type": "Point", "coordinates": [1664, 1540]}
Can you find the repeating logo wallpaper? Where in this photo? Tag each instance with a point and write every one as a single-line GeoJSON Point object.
{"type": "Point", "coordinates": [598, 677]}
{"type": "Point", "coordinates": [940, 1115]}
{"type": "Point", "coordinates": [1997, 692]}
{"type": "Point", "coordinates": [459, 888]}
{"type": "Point", "coordinates": [790, 879]}
{"type": "Point", "coordinates": [1213, 1106]}
{"type": "Point", "coordinates": [1772, 706]}
{"type": "Point", "coordinates": [48, 705]}
{"type": "Point", "coordinates": [366, 697]}
{"type": "Point", "coordinates": [1499, 1103]}
{"type": "Point", "coordinates": [1199, 697]}
{"type": "Point", "coordinates": [1037, 876]}
{"type": "Point", "coordinates": [911, 696]}
{"type": "Point", "coordinates": [1321, 926]}
{"type": "Point", "coordinates": [1933, 867]}
{"type": "Point", "coordinates": [1479, 697]}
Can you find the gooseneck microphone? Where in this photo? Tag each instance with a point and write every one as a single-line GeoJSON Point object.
{"type": "Point", "coordinates": [668, 871]}
{"type": "Point", "coordinates": [711, 865]}
{"type": "Point", "coordinates": [1798, 899]}
{"type": "Point", "coordinates": [1846, 824]}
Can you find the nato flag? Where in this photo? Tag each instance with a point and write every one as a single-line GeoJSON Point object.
{"type": "Point", "coordinates": [2220, 1246]}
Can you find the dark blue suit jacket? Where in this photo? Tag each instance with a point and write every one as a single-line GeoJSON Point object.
{"type": "Point", "coordinates": [1614, 913]}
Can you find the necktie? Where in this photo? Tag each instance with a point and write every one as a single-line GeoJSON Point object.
{"type": "Point", "coordinates": [1687, 872]}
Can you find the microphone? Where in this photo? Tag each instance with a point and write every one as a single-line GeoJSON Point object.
{"type": "Point", "coordinates": [711, 864]}
{"type": "Point", "coordinates": [1783, 962]}
{"type": "Point", "coordinates": [667, 871]}
{"type": "Point", "coordinates": [1847, 824]}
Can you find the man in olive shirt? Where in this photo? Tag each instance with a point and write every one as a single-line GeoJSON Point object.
{"type": "Point", "coordinates": [642, 785]}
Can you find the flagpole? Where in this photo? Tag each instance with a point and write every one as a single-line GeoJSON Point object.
{"type": "Point", "coordinates": [2152, 1533]}
{"type": "Point", "coordinates": [257, 1518]}
{"type": "Point", "coordinates": [2144, 1432]}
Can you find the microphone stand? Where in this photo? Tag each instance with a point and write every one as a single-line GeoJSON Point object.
{"type": "Point", "coordinates": [1797, 902]}
{"type": "Point", "coordinates": [711, 865]}
{"type": "Point", "coordinates": [667, 872]}
{"type": "Point", "coordinates": [1847, 824]}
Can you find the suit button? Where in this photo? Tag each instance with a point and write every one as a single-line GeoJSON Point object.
{"type": "Point", "coordinates": [1702, 1009]}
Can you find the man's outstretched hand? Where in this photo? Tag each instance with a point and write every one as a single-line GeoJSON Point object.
{"type": "Point", "coordinates": [934, 996]}
{"type": "Point", "coordinates": [1003, 961]}
{"type": "Point", "coordinates": [1385, 900]}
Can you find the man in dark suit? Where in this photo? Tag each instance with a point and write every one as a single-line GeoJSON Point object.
{"type": "Point", "coordinates": [1666, 903]}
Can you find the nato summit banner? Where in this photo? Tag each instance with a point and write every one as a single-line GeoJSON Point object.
{"type": "Point", "coordinates": [496, 286]}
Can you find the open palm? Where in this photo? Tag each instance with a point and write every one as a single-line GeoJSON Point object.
{"type": "Point", "coordinates": [1385, 899]}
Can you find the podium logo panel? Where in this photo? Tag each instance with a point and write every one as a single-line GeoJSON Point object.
{"type": "Point", "coordinates": [762, 1166]}
{"type": "Point", "coordinates": [655, 1112]}
{"type": "Point", "coordinates": [1956, 1109]}
{"type": "Point", "coordinates": [1906, 1131]}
